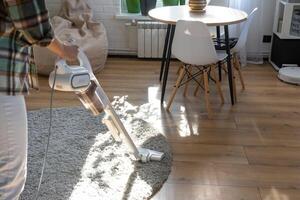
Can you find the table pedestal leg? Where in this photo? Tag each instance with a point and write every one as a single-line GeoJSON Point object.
{"type": "Point", "coordinates": [162, 67]}
{"type": "Point", "coordinates": [219, 64]}
{"type": "Point", "coordinates": [229, 67]}
{"type": "Point", "coordinates": [167, 64]}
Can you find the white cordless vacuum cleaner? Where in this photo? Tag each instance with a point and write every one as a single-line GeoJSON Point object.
{"type": "Point", "coordinates": [82, 81]}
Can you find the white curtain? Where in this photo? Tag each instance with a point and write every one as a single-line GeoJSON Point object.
{"type": "Point", "coordinates": [253, 50]}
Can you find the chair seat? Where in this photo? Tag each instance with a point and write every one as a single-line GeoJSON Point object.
{"type": "Point", "coordinates": [220, 43]}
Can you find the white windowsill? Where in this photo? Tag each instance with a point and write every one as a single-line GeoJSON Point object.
{"type": "Point", "coordinates": [131, 16]}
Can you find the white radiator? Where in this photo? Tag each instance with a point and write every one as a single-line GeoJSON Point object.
{"type": "Point", "coordinates": [151, 39]}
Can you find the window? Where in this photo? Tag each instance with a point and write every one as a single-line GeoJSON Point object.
{"type": "Point", "coordinates": [124, 7]}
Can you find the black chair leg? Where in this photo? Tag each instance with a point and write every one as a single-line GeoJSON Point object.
{"type": "Point", "coordinates": [219, 64]}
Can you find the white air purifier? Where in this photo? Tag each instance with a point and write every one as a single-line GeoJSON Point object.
{"type": "Point", "coordinates": [290, 75]}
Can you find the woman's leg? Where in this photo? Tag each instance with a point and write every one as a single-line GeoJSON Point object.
{"type": "Point", "coordinates": [13, 146]}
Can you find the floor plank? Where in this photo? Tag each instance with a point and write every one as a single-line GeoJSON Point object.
{"type": "Point", "coordinates": [209, 153]}
{"type": "Point", "coordinates": [235, 175]}
{"type": "Point", "coordinates": [279, 194]}
{"type": "Point", "coordinates": [281, 156]}
{"type": "Point", "coordinates": [206, 192]}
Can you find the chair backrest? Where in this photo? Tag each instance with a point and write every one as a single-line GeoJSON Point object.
{"type": "Point", "coordinates": [193, 44]}
{"type": "Point", "coordinates": [224, 3]}
{"type": "Point", "coordinates": [244, 34]}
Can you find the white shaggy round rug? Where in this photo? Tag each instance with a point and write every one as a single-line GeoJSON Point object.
{"type": "Point", "coordinates": [84, 161]}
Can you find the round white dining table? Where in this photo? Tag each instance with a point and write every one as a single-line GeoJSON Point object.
{"type": "Point", "coordinates": [213, 16]}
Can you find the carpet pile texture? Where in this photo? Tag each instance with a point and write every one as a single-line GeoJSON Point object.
{"type": "Point", "coordinates": [84, 161]}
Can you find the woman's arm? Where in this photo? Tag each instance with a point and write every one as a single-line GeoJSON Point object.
{"type": "Point", "coordinates": [31, 18]}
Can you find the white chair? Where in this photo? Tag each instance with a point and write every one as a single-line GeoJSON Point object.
{"type": "Point", "coordinates": [224, 3]}
{"type": "Point", "coordinates": [193, 46]}
{"type": "Point", "coordinates": [241, 44]}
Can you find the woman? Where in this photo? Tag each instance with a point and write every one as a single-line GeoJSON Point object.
{"type": "Point", "coordinates": [23, 23]}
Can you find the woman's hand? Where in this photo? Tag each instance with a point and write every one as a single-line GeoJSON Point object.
{"type": "Point", "coordinates": [70, 52]}
{"type": "Point", "coordinates": [67, 52]}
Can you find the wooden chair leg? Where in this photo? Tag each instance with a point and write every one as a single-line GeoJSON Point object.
{"type": "Point", "coordinates": [198, 86]}
{"type": "Point", "coordinates": [238, 68]}
{"type": "Point", "coordinates": [178, 70]}
{"type": "Point", "coordinates": [179, 79]}
{"type": "Point", "coordinates": [206, 88]}
{"type": "Point", "coordinates": [218, 85]}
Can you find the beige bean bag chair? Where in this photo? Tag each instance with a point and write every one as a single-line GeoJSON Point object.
{"type": "Point", "coordinates": [75, 25]}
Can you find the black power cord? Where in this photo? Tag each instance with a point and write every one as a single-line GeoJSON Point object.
{"type": "Point", "coordinates": [49, 135]}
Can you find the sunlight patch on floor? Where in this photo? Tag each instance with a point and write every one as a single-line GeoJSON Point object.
{"type": "Point", "coordinates": [276, 195]}
{"type": "Point", "coordinates": [152, 113]}
{"type": "Point", "coordinates": [107, 159]}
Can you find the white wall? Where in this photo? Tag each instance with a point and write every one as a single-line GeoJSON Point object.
{"type": "Point", "coordinates": [119, 34]}
{"type": "Point", "coordinates": [268, 18]}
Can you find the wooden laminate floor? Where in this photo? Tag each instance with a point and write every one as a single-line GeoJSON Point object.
{"type": "Point", "coordinates": [250, 151]}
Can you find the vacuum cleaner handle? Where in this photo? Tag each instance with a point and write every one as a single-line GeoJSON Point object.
{"type": "Point", "coordinates": [84, 61]}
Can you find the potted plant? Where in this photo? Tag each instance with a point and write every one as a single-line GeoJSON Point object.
{"type": "Point", "coordinates": [170, 2]}
{"type": "Point", "coordinates": [147, 5]}
{"type": "Point", "coordinates": [133, 6]}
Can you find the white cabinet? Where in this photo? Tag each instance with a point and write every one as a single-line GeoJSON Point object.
{"type": "Point", "coordinates": [287, 19]}
{"type": "Point", "coordinates": [286, 36]}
